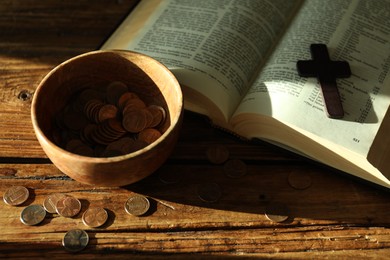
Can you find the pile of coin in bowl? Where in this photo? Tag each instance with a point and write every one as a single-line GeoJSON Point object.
{"type": "Point", "coordinates": [107, 123]}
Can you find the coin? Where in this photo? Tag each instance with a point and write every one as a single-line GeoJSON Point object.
{"type": "Point", "coordinates": [75, 240]}
{"type": "Point", "coordinates": [50, 202]}
{"type": "Point", "coordinates": [68, 206]}
{"type": "Point", "coordinates": [137, 205]}
{"type": "Point", "coordinates": [96, 118]}
{"type": "Point", "coordinates": [133, 104]}
{"type": "Point", "coordinates": [209, 192]}
{"type": "Point", "coordinates": [217, 154]}
{"type": "Point", "coordinates": [16, 195]}
{"type": "Point", "coordinates": [32, 215]}
{"type": "Point", "coordinates": [136, 121]}
{"type": "Point", "coordinates": [277, 212]}
{"type": "Point", "coordinates": [235, 168]}
{"type": "Point", "coordinates": [106, 112]}
{"type": "Point", "coordinates": [299, 180]}
{"type": "Point", "coordinates": [95, 217]}
{"type": "Point", "coordinates": [149, 135]}
{"type": "Point", "coordinates": [124, 98]}
{"type": "Point", "coordinates": [158, 114]}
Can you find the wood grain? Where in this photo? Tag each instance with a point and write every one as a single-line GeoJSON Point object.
{"type": "Point", "coordinates": [333, 215]}
{"type": "Point", "coordinates": [336, 217]}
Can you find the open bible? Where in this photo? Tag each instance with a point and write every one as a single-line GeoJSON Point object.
{"type": "Point", "coordinates": [236, 62]}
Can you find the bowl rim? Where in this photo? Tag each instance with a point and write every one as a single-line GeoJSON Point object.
{"type": "Point", "coordinates": [43, 138]}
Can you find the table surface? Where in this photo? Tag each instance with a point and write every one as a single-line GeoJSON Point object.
{"type": "Point", "coordinates": [336, 216]}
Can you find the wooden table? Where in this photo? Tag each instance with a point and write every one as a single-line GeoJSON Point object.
{"type": "Point", "coordinates": [336, 216]}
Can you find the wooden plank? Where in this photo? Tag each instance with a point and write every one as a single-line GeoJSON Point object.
{"type": "Point", "coordinates": [332, 215]}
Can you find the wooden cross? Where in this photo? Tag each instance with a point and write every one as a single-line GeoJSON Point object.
{"type": "Point", "coordinates": [326, 71]}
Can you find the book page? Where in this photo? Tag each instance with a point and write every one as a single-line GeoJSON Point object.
{"type": "Point", "coordinates": [212, 46]}
{"type": "Point", "coordinates": [354, 31]}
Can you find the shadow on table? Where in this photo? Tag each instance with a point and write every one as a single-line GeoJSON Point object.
{"type": "Point", "coordinates": [329, 194]}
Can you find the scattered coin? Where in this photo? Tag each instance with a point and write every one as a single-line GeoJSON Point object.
{"type": "Point", "coordinates": [137, 205]}
{"type": "Point", "coordinates": [16, 195]}
{"type": "Point", "coordinates": [75, 240]}
{"type": "Point", "coordinates": [68, 206]}
{"type": "Point", "coordinates": [33, 215]}
{"type": "Point", "coordinates": [235, 168]}
{"type": "Point", "coordinates": [277, 212]}
{"type": "Point", "coordinates": [217, 154]}
{"type": "Point", "coordinates": [50, 202]}
{"type": "Point", "coordinates": [299, 180]}
{"type": "Point", "coordinates": [209, 192]}
{"type": "Point", "coordinates": [95, 217]}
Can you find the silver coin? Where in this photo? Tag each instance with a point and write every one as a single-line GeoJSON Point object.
{"type": "Point", "coordinates": [277, 212]}
{"type": "Point", "coordinates": [75, 240]}
{"type": "Point", "coordinates": [209, 192]}
{"type": "Point", "coordinates": [32, 215]}
{"type": "Point", "coordinates": [137, 205]}
{"type": "Point", "coordinates": [235, 168]}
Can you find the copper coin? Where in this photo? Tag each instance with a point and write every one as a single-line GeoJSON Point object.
{"type": "Point", "coordinates": [86, 133]}
{"type": "Point", "coordinates": [115, 126]}
{"type": "Point", "coordinates": [158, 114]}
{"type": "Point", "coordinates": [16, 195]}
{"type": "Point", "coordinates": [92, 108]}
{"type": "Point", "coordinates": [120, 144]}
{"type": "Point", "coordinates": [235, 168]}
{"type": "Point", "coordinates": [95, 217]}
{"type": "Point", "coordinates": [299, 180]}
{"type": "Point", "coordinates": [277, 212]}
{"type": "Point", "coordinates": [72, 144]}
{"type": "Point", "coordinates": [50, 202]}
{"type": "Point", "coordinates": [137, 205]}
{"type": "Point", "coordinates": [124, 98]}
{"type": "Point", "coordinates": [75, 240]}
{"type": "Point", "coordinates": [209, 192]}
{"type": "Point", "coordinates": [217, 154]}
{"type": "Point", "coordinates": [149, 135]}
{"type": "Point", "coordinates": [107, 111]}
{"type": "Point", "coordinates": [135, 121]}
{"type": "Point", "coordinates": [32, 215]}
{"type": "Point", "coordinates": [136, 145]}
{"type": "Point", "coordinates": [68, 206]}
{"type": "Point", "coordinates": [133, 105]}
{"type": "Point", "coordinates": [87, 95]}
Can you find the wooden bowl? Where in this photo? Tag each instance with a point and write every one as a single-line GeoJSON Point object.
{"type": "Point", "coordinates": [148, 78]}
